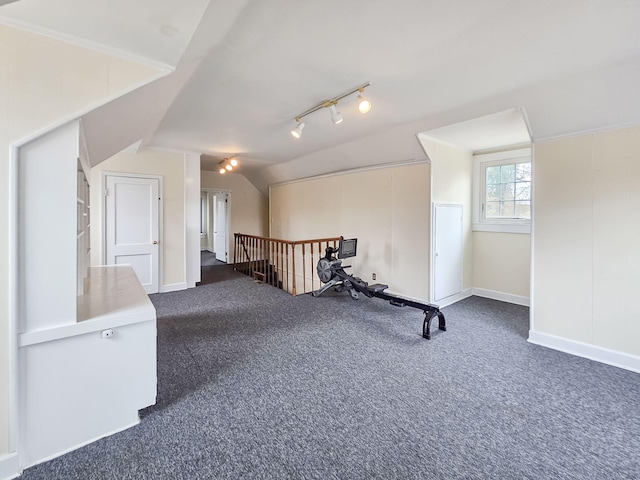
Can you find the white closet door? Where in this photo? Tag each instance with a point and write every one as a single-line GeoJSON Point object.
{"type": "Point", "coordinates": [448, 255]}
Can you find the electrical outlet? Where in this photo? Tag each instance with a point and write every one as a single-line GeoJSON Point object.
{"type": "Point", "coordinates": [107, 333]}
{"type": "Point", "coordinates": [373, 276]}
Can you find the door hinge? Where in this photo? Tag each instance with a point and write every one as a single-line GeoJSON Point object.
{"type": "Point", "coordinates": [106, 192]}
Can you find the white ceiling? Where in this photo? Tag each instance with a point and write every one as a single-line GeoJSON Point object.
{"type": "Point", "coordinates": [244, 69]}
{"type": "Point", "coordinates": [484, 133]}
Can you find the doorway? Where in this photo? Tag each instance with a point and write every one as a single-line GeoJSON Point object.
{"type": "Point", "coordinates": [215, 221]}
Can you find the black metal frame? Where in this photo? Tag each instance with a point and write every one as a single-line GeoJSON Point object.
{"type": "Point", "coordinates": [331, 267]}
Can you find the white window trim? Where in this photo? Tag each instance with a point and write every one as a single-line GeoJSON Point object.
{"type": "Point", "coordinates": [478, 224]}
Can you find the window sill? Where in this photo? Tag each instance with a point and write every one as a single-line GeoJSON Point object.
{"type": "Point", "coordinates": [502, 227]}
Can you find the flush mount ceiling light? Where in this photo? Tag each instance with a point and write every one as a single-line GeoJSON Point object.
{"type": "Point", "coordinates": [364, 105]}
{"type": "Point", "coordinates": [227, 165]}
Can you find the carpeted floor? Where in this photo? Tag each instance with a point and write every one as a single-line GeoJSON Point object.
{"type": "Point", "coordinates": [256, 384]}
{"type": "Point", "coordinates": [208, 259]}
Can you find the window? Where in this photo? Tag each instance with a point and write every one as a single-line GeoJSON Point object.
{"type": "Point", "coordinates": [502, 191]}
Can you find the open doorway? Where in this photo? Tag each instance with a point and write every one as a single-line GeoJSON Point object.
{"type": "Point", "coordinates": [214, 226]}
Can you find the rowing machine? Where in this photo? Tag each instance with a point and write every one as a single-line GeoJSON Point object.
{"type": "Point", "coordinates": [332, 274]}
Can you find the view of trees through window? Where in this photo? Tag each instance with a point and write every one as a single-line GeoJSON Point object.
{"type": "Point", "coordinates": [508, 191]}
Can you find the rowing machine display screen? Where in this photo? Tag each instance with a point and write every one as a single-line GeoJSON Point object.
{"type": "Point", "coordinates": [347, 247]}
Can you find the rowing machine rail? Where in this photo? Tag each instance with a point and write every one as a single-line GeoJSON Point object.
{"type": "Point", "coordinates": [332, 274]}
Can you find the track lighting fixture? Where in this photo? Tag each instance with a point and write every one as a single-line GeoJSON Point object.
{"type": "Point", "coordinates": [227, 165]}
{"type": "Point", "coordinates": [364, 105]}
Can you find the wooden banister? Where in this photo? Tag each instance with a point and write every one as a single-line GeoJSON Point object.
{"type": "Point", "coordinates": [286, 264]}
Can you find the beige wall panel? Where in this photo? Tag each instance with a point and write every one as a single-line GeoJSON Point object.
{"type": "Point", "coordinates": [366, 215]}
{"type": "Point", "coordinates": [609, 239]}
{"type": "Point", "coordinates": [410, 231]}
{"type": "Point", "coordinates": [378, 207]}
{"type": "Point", "coordinates": [632, 223]}
{"type": "Point", "coordinates": [168, 165]}
{"type": "Point", "coordinates": [501, 262]}
{"type": "Point", "coordinates": [42, 81]}
{"type": "Point", "coordinates": [563, 289]}
{"type": "Point", "coordinates": [312, 207]}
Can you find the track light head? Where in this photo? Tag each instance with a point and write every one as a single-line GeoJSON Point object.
{"type": "Point", "coordinates": [364, 105]}
{"type": "Point", "coordinates": [233, 162]}
{"type": "Point", "coordinates": [222, 171]}
{"type": "Point", "coordinates": [336, 116]}
{"type": "Point", "coordinates": [297, 131]}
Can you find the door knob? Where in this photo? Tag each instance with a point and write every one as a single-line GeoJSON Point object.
{"type": "Point", "coordinates": [155, 242]}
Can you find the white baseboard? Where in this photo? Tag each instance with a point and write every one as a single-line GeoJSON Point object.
{"type": "Point", "coordinates": [174, 287]}
{"type": "Point", "coordinates": [586, 350]}
{"type": "Point", "coordinates": [445, 302]}
{"type": "Point", "coordinates": [503, 297]}
{"type": "Point", "coordinates": [9, 466]}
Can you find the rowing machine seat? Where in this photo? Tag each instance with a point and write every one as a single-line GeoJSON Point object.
{"type": "Point", "coordinates": [377, 287]}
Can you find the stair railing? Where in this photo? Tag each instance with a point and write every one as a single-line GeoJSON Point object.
{"type": "Point", "coordinates": [286, 264]}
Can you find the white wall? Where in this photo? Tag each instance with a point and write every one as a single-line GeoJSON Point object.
{"type": "Point", "coordinates": [387, 209]}
{"type": "Point", "coordinates": [43, 81]}
{"type": "Point", "coordinates": [171, 167]}
{"type": "Point", "coordinates": [586, 245]}
{"type": "Point", "coordinates": [451, 172]}
{"type": "Point", "coordinates": [249, 209]}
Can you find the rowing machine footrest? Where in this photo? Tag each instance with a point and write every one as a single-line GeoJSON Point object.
{"type": "Point", "coordinates": [377, 287]}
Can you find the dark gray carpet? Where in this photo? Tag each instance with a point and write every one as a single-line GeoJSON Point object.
{"type": "Point", "coordinates": [208, 259]}
{"type": "Point", "coordinates": [217, 273]}
{"type": "Point", "coordinates": [256, 384]}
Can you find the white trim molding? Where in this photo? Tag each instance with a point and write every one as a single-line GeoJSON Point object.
{"type": "Point", "coordinates": [9, 466]}
{"type": "Point", "coordinates": [445, 302]}
{"type": "Point", "coordinates": [174, 287]}
{"type": "Point", "coordinates": [585, 350]}
{"type": "Point", "coordinates": [501, 296]}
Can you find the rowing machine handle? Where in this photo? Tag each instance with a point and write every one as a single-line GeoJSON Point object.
{"type": "Point", "coordinates": [329, 251]}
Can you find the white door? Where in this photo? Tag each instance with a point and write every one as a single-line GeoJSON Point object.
{"type": "Point", "coordinates": [448, 253]}
{"type": "Point", "coordinates": [131, 226]}
{"type": "Point", "coordinates": [220, 225]}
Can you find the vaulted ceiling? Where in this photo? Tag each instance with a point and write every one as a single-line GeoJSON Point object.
{"type": "Point", "coordinates": [238, 72]}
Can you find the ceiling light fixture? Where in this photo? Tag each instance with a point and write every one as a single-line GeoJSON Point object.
{"type": "Point", "coordinates": [364, 105]}
{"type": "Point", "coordinates": [336, 116]}
{"type": "Point", "coordinates": [297, 131]}
{"type": "Point", "coordinates": [227, 165]}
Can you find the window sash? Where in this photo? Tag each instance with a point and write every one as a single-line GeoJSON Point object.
{"type": "Point", "coordinates": [503, 191]}
{"type": "Point", "coordinates": [503, 196]}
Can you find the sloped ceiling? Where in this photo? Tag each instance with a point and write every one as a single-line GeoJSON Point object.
{"type": "Point", "coordinates": [250, 67]}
